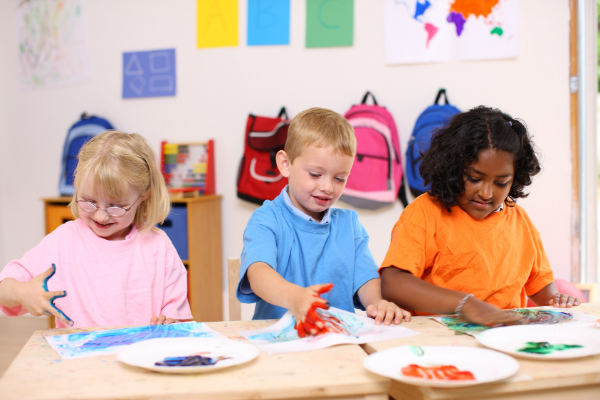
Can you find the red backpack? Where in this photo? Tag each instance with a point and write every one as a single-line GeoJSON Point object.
{"type": "Point", "coordinates": [259, 178]}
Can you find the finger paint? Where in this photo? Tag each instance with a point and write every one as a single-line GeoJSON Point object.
{"type": "Point", "coordinates": [325, 289]}
{"type": "Point", "coordinates": [312, 317]}
{"type": "Point", "coordinates": [189, 361]}
{"type": "Point", "coordinates": [528, 317]}
{"type": "Point", "coordinates": [546, 348]}
{"type": "Point", "coordinates": [45, 286]}
{"type": "Point", "coordinates": [438, 373]}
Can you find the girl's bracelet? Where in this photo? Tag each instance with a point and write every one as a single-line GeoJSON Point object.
{"type": "Point", "coordinates": [458, 310]}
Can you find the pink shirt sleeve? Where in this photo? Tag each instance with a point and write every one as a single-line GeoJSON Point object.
{"type": "Point", "coordinates": [175, 302]}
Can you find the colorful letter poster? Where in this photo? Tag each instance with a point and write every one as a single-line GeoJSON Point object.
{"type": "Point", "coordinates": [329, 23]}
{"type": "Point", "coordinates": [54, 43]}
{"type": "Point", "coordinates": [149, 73]}
{"type": "Point", "coordinates": [217, 23]}
{"type": "Point", "coordinates": [420, 31]}
{"type": "Point", "coordinates": [268, 22]}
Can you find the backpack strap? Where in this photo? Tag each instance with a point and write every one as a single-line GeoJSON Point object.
{"type": "Point", "coordinates": [364, 100]}
{"type": "Point", "coordinates": [439, 96]}
{"type": "Point", "coordinates": [283, 113]}
{"type": "Point", "coordinates": [402, 192]}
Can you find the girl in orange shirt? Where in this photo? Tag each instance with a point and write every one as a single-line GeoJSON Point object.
{"type": "Point", "coordinates": [466, 247]}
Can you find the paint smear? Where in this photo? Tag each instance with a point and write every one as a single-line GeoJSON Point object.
{"type": "Point", "coordinates": [458, 20]}
{"type": "Point", "coordinates": [438, 373]}
{"type": "Point", "coordinates": [497, 31]}
{"type": "Point", "coordinates": [195, 360]}
{"type": "Point", "coordinates": [546, 348]}
{"type": "Point", "coordinates": [529, 317]}
{"type": "Point", "coordinates": [474, 7]}
{"type": "Point", "coordinates": [56, 297]}
{"type": "Point", "coordinates": [431, 31]}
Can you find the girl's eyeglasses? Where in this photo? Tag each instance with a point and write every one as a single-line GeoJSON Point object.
{"type": "Point", "coordinates": [90, 207]}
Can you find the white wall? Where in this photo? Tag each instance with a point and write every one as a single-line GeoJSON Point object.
{"type": "Point", "coordinates": [217, 88]}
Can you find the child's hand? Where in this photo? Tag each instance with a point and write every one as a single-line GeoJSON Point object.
{"type": "Point", "coordinates": [304, 301]}
{"type": "Point", "coordinates": [162, 320]}
{"type": "Point", "coordinates": [561, 300]}
{"type": "Point", "coordinates": [35, 297]}
{"type": "Point", "coordinates": [482, 313]}
{"type": "Point", "coordinates": [386, 312]}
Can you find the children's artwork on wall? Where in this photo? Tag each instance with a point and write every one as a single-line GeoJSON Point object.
{"type": "Point", "coordinates": [530, 316]}
{"type": "Point", "coordinates": [217, 23]}
{"type": "Point", "coordinates": [149, 73]}
{"type": "Point", "coordinates": [421, 31]}
{"type": "Point", "coordinates": [54, 43]}
{"type": "Point", "coordinates": [283, 338]}
{"type": "Point", "coordinates": [268, 22]}
{"type": "Point", "coordinates": [100, 343]}
{"type": "Point", "coordinates": [329, 23]}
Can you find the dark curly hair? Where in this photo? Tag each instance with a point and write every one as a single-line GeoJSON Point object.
{"type": "Point", "coordinates": [457, 145]}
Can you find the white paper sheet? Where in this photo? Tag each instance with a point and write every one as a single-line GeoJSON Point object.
{"type": "Point", "coordinates": [283, 338]}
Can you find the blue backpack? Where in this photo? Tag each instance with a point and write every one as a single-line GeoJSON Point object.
{"type": "Point", "coordinates": [430, 120]}
{"type": "Point", "coordinates": [79, 134]}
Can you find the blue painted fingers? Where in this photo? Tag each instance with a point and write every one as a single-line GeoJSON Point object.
{"type": "Point", "coordinates": [71, 322]}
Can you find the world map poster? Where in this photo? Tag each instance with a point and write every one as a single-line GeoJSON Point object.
{"type": "Point", "coordinates": [423, 31]}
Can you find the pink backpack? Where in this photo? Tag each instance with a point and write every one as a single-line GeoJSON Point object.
{"type": "Point", "coordinates": [377, 171]}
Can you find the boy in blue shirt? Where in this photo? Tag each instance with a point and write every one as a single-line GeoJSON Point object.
{"type": "Point", "coordinates": [297, 244]}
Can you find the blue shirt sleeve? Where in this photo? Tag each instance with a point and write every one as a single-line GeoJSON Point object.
{"type": "Point", "coordinates": [260, 245]}
{"type": "Point", "coordinates": [365, 267]}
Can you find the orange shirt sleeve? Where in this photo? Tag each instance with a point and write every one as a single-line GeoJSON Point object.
{"type": "Point", "coordinates": [541, 274]}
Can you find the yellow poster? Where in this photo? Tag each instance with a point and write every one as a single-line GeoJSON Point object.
{"type": "Point", "coordinates": [217, 23]}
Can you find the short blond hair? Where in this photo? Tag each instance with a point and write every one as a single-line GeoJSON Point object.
{"type": "Point", "coordinates": [322, 128]}
{"type": "Point", "coordinates": [116, 160]}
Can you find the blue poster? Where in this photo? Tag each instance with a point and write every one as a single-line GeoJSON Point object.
{"type": "Point", "coordinates": [268, 22]}
{"type": "Point", "coordinates": [149, 73]}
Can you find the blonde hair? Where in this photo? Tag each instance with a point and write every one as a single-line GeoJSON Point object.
{"type": "Point", "coordinates": [116, 160]}
{"type": "Point", "coordinates": [320, 127]}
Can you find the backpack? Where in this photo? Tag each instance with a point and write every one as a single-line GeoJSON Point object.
{"type": "Point", "coordinates": [377, 171]}
{"type": "Point", "coordinates": [430, 120]}
{"type": "Point", "coordinates": [259, 178]}
{"type": "Point", "coordinates": [79, 134]}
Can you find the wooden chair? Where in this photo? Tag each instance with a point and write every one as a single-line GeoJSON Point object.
{"type": "Point", "coordinates": [233, 276]}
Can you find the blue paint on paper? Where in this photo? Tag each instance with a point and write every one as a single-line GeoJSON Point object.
{"type": "Point", "coordinates": [45, 286]}
{"type": "Point", "coordinates": [268, 22]}
{"type": "Point", "coordinates": [149, 73]}
{"type": "Point", "coordinates": [97, 343]}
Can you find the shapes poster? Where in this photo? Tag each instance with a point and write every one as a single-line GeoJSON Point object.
{"type": "Point", "coordinates": [422, 31]}
{"type": "Point", "coordinates": [53, 43]}
{"type": "Point", "coordinates": [329, 23]}
{"type": "Point", "coordinates": [217, 23]}
{"type": "Point", "coordinates": [283, 338]}
{"type": "Point", "coordinates": [268, 22]}
{"type": "Point", "coordinates": [149, 73]}
{"type": "Point", "coordinates": [103, 342]}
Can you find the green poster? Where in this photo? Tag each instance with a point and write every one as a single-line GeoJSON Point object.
{"type": "Point", "coordinates": [329, 23]}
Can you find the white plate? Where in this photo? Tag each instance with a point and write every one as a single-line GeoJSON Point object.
{"type": "Point", "coordinates": [485, 365]}
{"type": "Point", "coordinates": [511, 338]}
{"type": "Point", "coordinates": [145, 354]}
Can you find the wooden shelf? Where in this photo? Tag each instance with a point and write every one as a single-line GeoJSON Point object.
{"type": "Point", "coordinates": [204, 263]}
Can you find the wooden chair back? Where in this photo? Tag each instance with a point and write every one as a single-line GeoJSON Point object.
{"type": "Point", "coordinates": [233, 276]}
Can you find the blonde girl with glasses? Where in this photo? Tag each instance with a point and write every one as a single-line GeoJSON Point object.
{"type": "Point", "coordinates": [111, 266]}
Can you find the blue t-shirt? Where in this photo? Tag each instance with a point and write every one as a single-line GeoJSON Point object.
{"type": "Point", "coordinates": [307, 253]}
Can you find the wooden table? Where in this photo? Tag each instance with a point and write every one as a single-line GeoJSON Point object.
{"type": "Point", "coordinates": [38, 372]}
{"type": "Point", "coordinates": [577, 379]}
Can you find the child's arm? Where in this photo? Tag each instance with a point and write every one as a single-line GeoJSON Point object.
{"type": "Point", "coordinates": [267, 284]}
{"type": "Point", "coordinates": [410, 292]}
{"type": "Point", "coordinates": [378, 308]}
{"type": "Point", "coordinates": [32, 296]}
{"type": "Point", "coordinates": [550, 296]}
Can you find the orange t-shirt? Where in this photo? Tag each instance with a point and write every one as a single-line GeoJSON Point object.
{"type": "Point", "coordinates": [499, 259]}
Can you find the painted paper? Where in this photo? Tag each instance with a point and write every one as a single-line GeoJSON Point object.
{"type": "Point", "coordinates": [217, 23]}
{"type": "Point", "coordinates": [283, 338]}
{"type": "Point", "coordinates": [531, 316]}
{"type": "Point", "coordinates": [421, 31]}
{"type": "Point", "coordinates": [268, 22]}
{"type": "Point", "coordinates": [329, 23]}
{"type": "Point", "coordinates": [149, 73]}
{"type": "Point", "coordinates": [100, 343]}
{"type": "Point", "coordinates": [53, 43]}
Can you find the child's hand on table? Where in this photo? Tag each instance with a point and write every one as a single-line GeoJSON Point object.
{"type": "Point", "coordinates": [482, 313]}
{"type": "Point", "coordinates": [35, 298]}
{"type": "Point", "coordinates": [386, 312]}
{"type": "Point", "coordinates": [162, 320]}
{"type": "Point", "coordinates": [304, 302]}
{"type": "Point", "coordinates": [562, 300]}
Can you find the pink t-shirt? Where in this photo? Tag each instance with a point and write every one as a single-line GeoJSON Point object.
{"type": "Point", "coordinates": [108, 283]}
